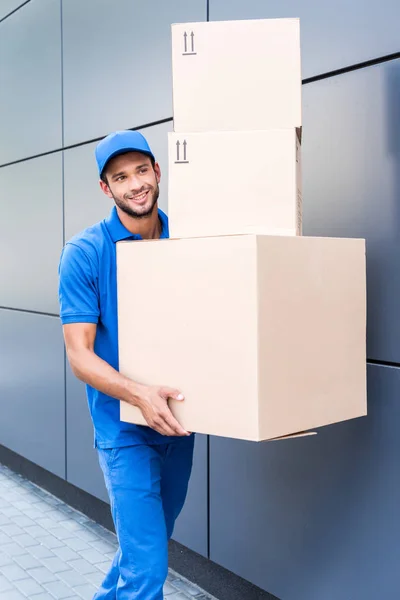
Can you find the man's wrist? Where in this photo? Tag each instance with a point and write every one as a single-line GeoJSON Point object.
{"type": "Point", "coordinates": [136, 393]}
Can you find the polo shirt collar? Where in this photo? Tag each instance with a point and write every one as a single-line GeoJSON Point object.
{"type": "Point", "coordinates": [119, 232]}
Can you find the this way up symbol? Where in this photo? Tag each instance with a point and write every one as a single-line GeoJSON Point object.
{"type": "Point", "coordinates": [185, 43]}
{"type": "Point", "coordinates": [178, 151]}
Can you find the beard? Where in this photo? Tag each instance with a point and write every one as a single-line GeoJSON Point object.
{"type": "Point", "coordinates": [142, 211]}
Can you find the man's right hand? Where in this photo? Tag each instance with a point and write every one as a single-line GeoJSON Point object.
{"type": "Point", "coordinates": [153, 403]}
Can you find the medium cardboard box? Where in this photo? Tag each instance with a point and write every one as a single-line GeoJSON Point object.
{"type": "Point", "coordinates": [246, 182]}
{"type": "Point", "coordinates": [236, 75]}
{"type": "Point", "coordinates": [264, 335]}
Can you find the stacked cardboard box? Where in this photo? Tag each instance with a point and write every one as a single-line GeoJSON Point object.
{"type": "Point", "coordinates": [262, 328]}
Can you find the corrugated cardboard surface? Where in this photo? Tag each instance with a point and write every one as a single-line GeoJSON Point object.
{"type": "Point", "coordinates": [265, 335]}
{"type": "Point", "coordinates": [246, 182]}
{"type": "Point", "coordinates": [236, 75]}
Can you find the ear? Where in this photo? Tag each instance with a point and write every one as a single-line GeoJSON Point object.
{"type": "Point", "coordinates": [157, 171]}
{"type": "Point", "coordinates": [105, 188]}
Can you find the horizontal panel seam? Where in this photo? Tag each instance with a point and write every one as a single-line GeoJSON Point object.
{"type": "Point", "coordinates": [78, 144]}
{"type": "Point", "coordinates": [14, 11]}
{"type": "Point", "coordinates": [306, 81]}
{"type": "Point", "coordinates": [28, 311]}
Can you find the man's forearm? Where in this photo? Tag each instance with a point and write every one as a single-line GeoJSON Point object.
{"type": "Point", "coordinates": [96, 372]}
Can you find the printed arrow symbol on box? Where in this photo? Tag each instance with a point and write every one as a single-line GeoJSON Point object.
{"type": "Point", "coordinates": [192, 36]}
{"type": "Point", "coordinates": [177, 149]}
{"type": "Point", "coordinates": [185, 40]}
{"type": "Point", "coordinates": [184, 149]}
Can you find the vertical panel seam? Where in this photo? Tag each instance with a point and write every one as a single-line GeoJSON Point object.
{"type": "Point", "coordinates": [208, 500]}
{"type": "Point", "coordinates": [63, 227]}
{"type": "Point", "coordinates": [208, 437]}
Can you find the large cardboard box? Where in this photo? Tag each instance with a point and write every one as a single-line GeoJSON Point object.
{"type": "Point", "coordinates": [245, 182]}
{"type": "Point", "coordinates": [264, 335]}
{"type": "Point", "coordinates": [236, 75]}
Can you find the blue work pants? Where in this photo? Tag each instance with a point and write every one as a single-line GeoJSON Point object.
{"type": "Point", "coordinates": [147, 486]}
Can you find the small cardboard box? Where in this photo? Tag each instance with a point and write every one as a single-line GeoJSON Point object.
{"type": "Point", "coordinates": [264, 335]}
{"type": "Point", "coordinates": [236, 75]}
{"type": "Point", "coordinates": [245, 182]}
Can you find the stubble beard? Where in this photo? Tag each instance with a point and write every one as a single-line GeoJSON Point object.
{"type": "Point", "coordinates": [146, 210]}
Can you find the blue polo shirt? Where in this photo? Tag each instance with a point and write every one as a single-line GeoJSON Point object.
{"type": "Point", "coordinates": [88, 294]}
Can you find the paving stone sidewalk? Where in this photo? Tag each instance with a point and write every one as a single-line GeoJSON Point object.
{"type": "Point", "coordinates": [50, 551]}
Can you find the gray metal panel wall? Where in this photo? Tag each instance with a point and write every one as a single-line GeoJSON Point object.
{"type": "Point", "coordinates": [117, 63]}
{"type": "Point", "coordinates": [30, 81]}
{"type": "Point", "coordinates": [351, 164]}
{"type": "Point", "coordinates": [314, 518]}
{"type": "Point", "coordinates": [31, 233]}
{"type": "Point", "coordinates": [83, 469]}
{"type": "Point", "coordinates": [8, 6]}
{"type": "Point", "coordinates": [85, 203]}
{"type": "Point", "coordinates": [333, 34]}
{"type": "Point", "coordinates": [191, 527]}
{"type": "Point", "coordinates": [32, 388]}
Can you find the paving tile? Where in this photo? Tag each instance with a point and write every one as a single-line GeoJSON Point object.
{"type": "Point", "coordinates": [25, 540]}
{"type": "Point", "coordinates": [92, 556]}
{"type": "Point", "coordinates": [36, 530]}
{"type": "Point", "coordinates": [5, 559]}
{"type": "Point", "coordinates": [29, 587]}
{"type": "Point", "coordinates": [45, 522]}
{"type": "Point", "coordinates": [96, 577]}
{"type": "Point", "coordinates": [13, 572]}
{"type": "Point", "coordinates": [104, 566]}
{"type": "Point", "coordinates": [5, 585]}
{"type": "Point", "coordinates": [43, 575]}
{"type": "Point", "coordinates": [60, 532]}
{"type": "Point", "coordinates": [41, 551]}
{"type": "Point", "coordinates": [50, 541]}
{"type": "Point", "coordinates": [16, 595]}
{"type": "Point", "coordinates": [86, 535]}
{"type": "Point", "coordinates": [11, 530]}
{"type": "Point", "coordinates": [83, 566]}
{"type": "Point", "coordinates": [73, 577]}
{"type": "Point", "coordinates": [44, 596]}
{"type": "Point", "coordinates": [13, 549]}
{"type": "Point", "coordinates": [66, 553]}
{"type": "Point", "coordinates": [27, 561]}
{"type": "Point", "coordinates": [70, 525]}
{"type": "Point", "coordinates": [77, 544]}
{"type": "Point", "coordinates": [55, 564]}
{"type": "Point", "coordinates": [34, 513]}
{"type": "Point", "coordinates": [10, 511]}
{"type": "Point", "coordinates": [85, 591]}
{"type": "Point", "coordinates": [4, 520]}
{"type": "Point", "coordinates": [23, 521]}
{"type": "Point", "coordinates": [104, 547]}
{"type": "Point", "coordinates": [59, 590]}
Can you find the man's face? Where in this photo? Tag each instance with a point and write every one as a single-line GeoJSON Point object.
{"type": "Point", "coordinates": [133, 183]}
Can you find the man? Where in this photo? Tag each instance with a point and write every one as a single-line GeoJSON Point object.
{"type": "Point", "coordinates": [146, 469]}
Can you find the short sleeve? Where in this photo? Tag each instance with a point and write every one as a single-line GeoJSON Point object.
{"type": "Point", "coordinates": [78, 287]}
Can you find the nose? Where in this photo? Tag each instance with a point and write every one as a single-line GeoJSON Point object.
{"type": "Point", "coordinates": [135, 184]}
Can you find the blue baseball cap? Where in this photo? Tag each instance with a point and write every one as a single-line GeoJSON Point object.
{"type": "Point", "coordinates": [119, 142]}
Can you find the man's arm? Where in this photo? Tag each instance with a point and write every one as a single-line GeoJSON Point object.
{"type": "Point", "coordinates": [93, 370]}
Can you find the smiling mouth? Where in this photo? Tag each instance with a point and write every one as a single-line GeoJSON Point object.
{"type": "Point", "coordinates": [140, 198]}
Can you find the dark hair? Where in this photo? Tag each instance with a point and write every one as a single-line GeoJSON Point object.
{"type": "Point", "coordinates": [103, 175]}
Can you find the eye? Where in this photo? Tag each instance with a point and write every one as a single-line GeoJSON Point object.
{"type": "Point", "coordinates": [120, 178]}
{"type": "Point", "coordinates": [144, 170]}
